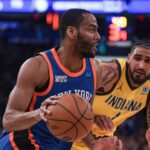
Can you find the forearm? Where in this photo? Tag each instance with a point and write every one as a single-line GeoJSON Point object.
{"type": "Point", "coordinates": [15, 120]}
{"type": "Point", "coordinates": [148, 115]}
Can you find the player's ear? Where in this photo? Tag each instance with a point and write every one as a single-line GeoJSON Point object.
{"type": "Point", "coordinates": [71, 32]}
{"type": "Point", "coordinates": [129, 55]}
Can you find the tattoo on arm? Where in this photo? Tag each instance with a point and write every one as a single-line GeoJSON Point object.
{"type": "Point", "coordinates": [108, 75]}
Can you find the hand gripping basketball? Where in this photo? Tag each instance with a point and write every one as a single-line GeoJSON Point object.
{"type": "Point", "coordinates": [72, 118]}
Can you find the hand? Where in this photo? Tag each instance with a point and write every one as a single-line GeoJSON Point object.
{"type": "Point", "coordinates": [104, 122]}
{"type": "Point", "coordinates": [107, 143]}
{"type": "Point", "coordinates": [119, 145]}
{"type": "Point", "coordinates": [147, 135]}
{"type": "Point", "coordinates": [42, 111]}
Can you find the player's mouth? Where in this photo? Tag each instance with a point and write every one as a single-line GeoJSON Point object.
{"type": "Point", "coordinates": [140, 72]}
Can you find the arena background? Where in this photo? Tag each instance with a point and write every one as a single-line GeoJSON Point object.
{"type": "Point", "coordinates": [30, 26]}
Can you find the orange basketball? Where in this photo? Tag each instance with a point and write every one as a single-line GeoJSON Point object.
{"type": "Point", "coordinates": [72, 118]}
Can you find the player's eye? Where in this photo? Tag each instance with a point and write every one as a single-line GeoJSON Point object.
{"type": "Point", "coordinates": [147, 61]}
{"type": "Point", "coordinates": [93, 29]}
{"type": "Point", "coordinates": [137, 58]}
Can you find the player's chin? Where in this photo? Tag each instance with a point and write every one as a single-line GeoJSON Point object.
{"type": "Point", "coordinates": [143, 79]}
{"type": "Point", "coordinates": [140, 79]}
{"type": "Point", "coordinates": [140, 76]}
{"type": "Point", "coordinates": [93, 54]}
{"type": "Point", "coordinates": [94, 48]}
{"type": "Point", "coordinates": [93, 51]}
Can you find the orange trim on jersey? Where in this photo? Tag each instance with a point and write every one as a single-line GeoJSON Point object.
{"type": "Point", "coordinates": [51, 80]}
{"type": "Point", "coordinates": [94, 72]}
{"type": "Point", "coordinates": [65, 70]}
{"type": "Point", "coordinates": [13, 144]}
{"type": "Point", "coordinates": [33, 101]}
{"type": "Point", "coordinates": [33, 141]}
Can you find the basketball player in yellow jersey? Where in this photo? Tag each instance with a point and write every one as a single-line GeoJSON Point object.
{"type": "Point", "coordinates": [128, 96]}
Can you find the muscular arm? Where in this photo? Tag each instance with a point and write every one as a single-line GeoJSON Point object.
{"type": "Point", "coordinates": [31, 75]}
{"type": "Point", "coordinates": [107, 76]}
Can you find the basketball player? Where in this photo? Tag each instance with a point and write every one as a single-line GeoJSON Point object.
{"type": "Point", "coordinates": [64, 69]}
{"type": "Point", "coordinates": [129, 95]}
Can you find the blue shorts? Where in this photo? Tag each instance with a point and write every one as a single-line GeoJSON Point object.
{"type": "Point", "coordinates": [5, 143]}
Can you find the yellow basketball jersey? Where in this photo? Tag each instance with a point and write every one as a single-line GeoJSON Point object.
{"type": "Point", "coordinates": [120, 104]}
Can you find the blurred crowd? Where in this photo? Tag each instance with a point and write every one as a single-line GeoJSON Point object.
{"type": "Point", "coordinates": [132, 132]}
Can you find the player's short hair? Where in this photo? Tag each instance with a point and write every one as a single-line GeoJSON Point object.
{"type": "Point", "coordinates": [71, 17]}
{"type": "Point", "coordinates": [145, 43]}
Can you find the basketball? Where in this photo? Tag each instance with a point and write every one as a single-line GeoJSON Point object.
{"type": "Point", "coordinates": [72, 118]}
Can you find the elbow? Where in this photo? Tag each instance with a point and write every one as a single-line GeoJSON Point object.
{"type": "Point", "coordinates": [6, 124]}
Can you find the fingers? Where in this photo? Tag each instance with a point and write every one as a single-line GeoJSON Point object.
{"type": "Point", "coordinates": [104, 122]}
{"type": "Point", "coordinates": [50, 101]}
{"type": "Point", "coordinates": [114, 142]}
{"type": "Point", "coordinates": [119, 145]}
{"type": "Point", "coordinates": [43, 116]}
{"type": "Point", "coordinates": [111, 140]}
{"type": "Point", "coordinates": [44, 112]}
{"type": "Point", "coordinates": [54, 97]}
{"type": "Point", "coordinates": [107, 143]}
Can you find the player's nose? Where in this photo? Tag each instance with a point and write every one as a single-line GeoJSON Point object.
{"type": "Point", "coordinates": [97, 36]}
{"type": "Point", "coordinates": [142, 65]}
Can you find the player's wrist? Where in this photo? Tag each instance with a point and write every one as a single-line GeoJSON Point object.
{"type": "Point", "coordinates": [92, 144]}
{"type": "Point", "coordinates": [37, 115]}
{"type": "Point", "coordinates": [88, 140]}
{"type": "Point", "coordinates": [95, 143]}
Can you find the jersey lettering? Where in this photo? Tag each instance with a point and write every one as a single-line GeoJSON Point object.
{"type": "Point", "coordinates": [123, 104]}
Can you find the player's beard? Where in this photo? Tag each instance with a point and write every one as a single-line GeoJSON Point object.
{"type": "Point", "coordinates": [135, 79]}
{"type": "Point", "coordinates": [85, 47]}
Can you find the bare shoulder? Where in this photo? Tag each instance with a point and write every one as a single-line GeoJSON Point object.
{"type": "Point", "coordinates": [34, 70]}
{"type": "Point", "coordinates": [107, 75]}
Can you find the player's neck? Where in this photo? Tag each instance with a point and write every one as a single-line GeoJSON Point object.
{"type": "Point", "coordinates": [69, 59]}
